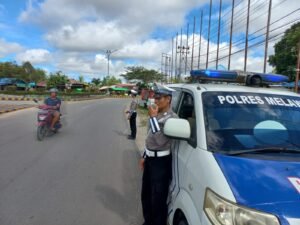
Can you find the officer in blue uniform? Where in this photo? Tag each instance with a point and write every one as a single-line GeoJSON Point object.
{"type": "Point", "coordinates": [54, 103]}
{"type": "Point", "coordinates": [156, 161]}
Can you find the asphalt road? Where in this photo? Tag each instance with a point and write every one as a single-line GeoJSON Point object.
{"type": "Point", "coordinates": [85, 175]}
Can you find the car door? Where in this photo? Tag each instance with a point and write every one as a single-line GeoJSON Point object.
{"type": "Point", "coordinates": [181, 150]}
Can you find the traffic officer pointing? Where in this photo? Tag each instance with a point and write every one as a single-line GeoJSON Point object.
{"type": "Point", "coordinates": [156, 161]}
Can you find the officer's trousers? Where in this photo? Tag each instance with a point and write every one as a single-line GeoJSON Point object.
{"type": "Point", "coordinates": [132, 122]}
{"type": "Point", "coordinates": [156, 179]}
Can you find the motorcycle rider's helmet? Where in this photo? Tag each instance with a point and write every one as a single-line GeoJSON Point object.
{"type": "Point", "coordinates": [53, 90]}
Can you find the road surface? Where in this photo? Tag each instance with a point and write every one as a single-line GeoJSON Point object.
{"type": "Point", "coordinates": [85, 175]}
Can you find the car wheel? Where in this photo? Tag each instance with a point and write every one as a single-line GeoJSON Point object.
{"type": "Point", "coordinates": [182, 221]}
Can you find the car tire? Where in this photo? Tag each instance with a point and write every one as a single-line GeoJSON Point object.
{"type": "Point", "coordinates": [183, 222]}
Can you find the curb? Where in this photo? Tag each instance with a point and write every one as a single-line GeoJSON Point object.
{"type": "Point", "coordinates": [17, 99]}
{"type": "Point", "coordinates": [14, 109]}
{"type": "Point", "coordinates": [70, 100]}
{"type": "Point", "coordinates": [17, 108]}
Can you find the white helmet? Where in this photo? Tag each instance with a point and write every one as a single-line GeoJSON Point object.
{"type": "Point", "coordinates": [53, 90]}
{"type": "Point", "coordinates": [133, 92]}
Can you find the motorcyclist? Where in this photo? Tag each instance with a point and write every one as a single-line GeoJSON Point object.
{"type": "Point", "coordinates": [54, 104]}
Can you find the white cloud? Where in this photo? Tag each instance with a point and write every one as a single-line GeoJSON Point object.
{"type": "Point", "coordinates": [82, 32]}
{"type": "Point", "coordinates": [130, 12]}
{"type": "Point", "coordinates": [7, 48]}
{"type": "Point", "coordinates": [148, 50]}
{"type": "Point", "coordinates": [98, 25]}
{"type": "Point", "coordinates": [74, 63]}
{"type": "Point", "coordinates": [91, 36]}
{"type": "Point", "coordinates": [34, 56]}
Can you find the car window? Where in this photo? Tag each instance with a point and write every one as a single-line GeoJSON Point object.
{"type": "Point", "coordinates": [242, 121]}
{"type": "Point", "coordinates": [187, 111]}
{"type": "Point", "coordinates": [175, 98]}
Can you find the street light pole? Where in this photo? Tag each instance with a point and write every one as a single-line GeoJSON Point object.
{"type": "Point", "coordinates": [108, 53]}
{"type": "Point", "coordinates": [297, 69]}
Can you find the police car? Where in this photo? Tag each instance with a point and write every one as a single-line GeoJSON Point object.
{"type": "Point", "coordinates": [236, 154]}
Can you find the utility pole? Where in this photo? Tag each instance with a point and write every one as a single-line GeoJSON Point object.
{"type": "Point", "coordinates": [247, 33]}
{"type": "Point", "coordinates": [267, 36]}
{"type": "Point", "coordinates": [179, 47]}
{"type": "Point", "coordinates": [187, 46]}
{"type": "Point", "coordinates": [193, 43]}
{"type": "Point", "coordinates": [219, 24]}
{"type": "Point", "coordinates": [108, 53]}
{"type": "Point", "coordinates": [231, 29]}
{"type": "Point", "coordinates": [166, 65]}
{"type": "Point", "coordinates": [171, 71]}
{"type": "Point", "coordinates": [183, 51]}
{"type": "Point", "coordinates": [207, 53]}
{"type": "Point", "coordinates": [297, 69]}
{"type": "Point", "coordinates": [199, 54]}
{"type": "Point", "coordinates": [176, 55]}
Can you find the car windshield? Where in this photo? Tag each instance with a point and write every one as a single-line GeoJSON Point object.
{"type": "Point", "coordinates": [244, 121]}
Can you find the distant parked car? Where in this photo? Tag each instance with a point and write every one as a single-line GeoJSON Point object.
{"type": "Point", "coordinates": [18, 83]}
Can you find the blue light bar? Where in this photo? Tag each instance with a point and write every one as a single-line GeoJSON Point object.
{"type": "Point", "coordinates": [215, 74]}
{"type": "Point", "coordinates": [237, 76]}
{"type": "Point", "coordinates": [273, 78]}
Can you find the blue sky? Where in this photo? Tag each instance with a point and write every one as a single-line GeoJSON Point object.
{"type": "Point", "coordinates": [73, 37]}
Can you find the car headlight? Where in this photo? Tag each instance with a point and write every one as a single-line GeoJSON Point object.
{"type": "Point", "coordinates": [222, 212]}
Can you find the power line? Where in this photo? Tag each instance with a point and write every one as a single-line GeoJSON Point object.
{"type": "Point", "coordinates": [258, 9]}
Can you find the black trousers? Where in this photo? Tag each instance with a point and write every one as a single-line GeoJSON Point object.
{"type": "Point", "coordinates": [156, 179]}
{"type": "Point", "coordinates": [132, 122]}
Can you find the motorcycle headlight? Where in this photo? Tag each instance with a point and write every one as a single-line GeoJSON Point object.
{"type": "Point", "coordinates": [42, 117]}
{"type": "Point", "coordinates": [222, 212]}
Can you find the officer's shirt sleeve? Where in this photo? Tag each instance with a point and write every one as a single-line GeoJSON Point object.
{"type": "Point", "coordinates": [154, 126]}
{"type": "Point", "coordinates": [160, 138]}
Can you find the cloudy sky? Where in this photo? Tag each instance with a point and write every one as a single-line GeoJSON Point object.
{"type": "Point", "coordinates": [73, 35]}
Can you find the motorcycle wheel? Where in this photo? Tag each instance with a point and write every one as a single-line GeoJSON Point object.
{"type": "Point", "coordinates": [41, 132]}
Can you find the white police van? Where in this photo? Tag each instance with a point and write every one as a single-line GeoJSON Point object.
{"type": "Point", "coordinates": [236, 157]}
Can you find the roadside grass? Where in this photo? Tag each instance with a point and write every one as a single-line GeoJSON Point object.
{"type": "Point", "coordinates": [143, 114]}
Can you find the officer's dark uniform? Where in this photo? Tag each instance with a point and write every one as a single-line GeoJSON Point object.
{"type": "Point", "coordinates": [132, 119]}
{"type": "Point", "coordinates": [157, 168]}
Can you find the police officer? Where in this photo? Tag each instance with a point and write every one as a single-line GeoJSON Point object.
{"type": "Point", "coordinates": [132, 115]}
{"type": "Point", "coordinates": [156, 161]}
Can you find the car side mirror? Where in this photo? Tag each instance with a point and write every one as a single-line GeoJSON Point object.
{"type": "Point", "coordinates": [177, 128]}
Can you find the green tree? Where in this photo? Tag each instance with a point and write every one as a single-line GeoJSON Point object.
{"type": "Point", "coordinates": [96, 81]}
{"type": "Point", "coordinates": [26, 72]}
{"type": "Point", "coordinates": [38, 75]}
{"type": "Point", "coordinates": [28, 67]}
{"type": "Point", "coordinates": [142, 74]}
{"type": "Point", "coordinates": [286, 50]}
{"type": "Point", "coordinates": [11, 69]}
{"type": "Point", "coordinates": [57, 79]}
{"type": "Point", "coordinates": [81, 79]}
{"type": "Point", "coordinates": [110, 80]}
{"type": "Point", "coordinates": [31, 74]}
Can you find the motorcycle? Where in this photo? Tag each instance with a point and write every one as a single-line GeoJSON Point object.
{"type": "Point", "coordinates": [44, 118]}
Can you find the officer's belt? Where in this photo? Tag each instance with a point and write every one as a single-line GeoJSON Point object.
{"type": "Point", "coordinates": [152, 153]}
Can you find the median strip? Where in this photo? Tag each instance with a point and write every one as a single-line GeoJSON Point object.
{"type": "Point", "coordinates": [11, 108]}
{"type": "Point", "coordinates": [64, 99]}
